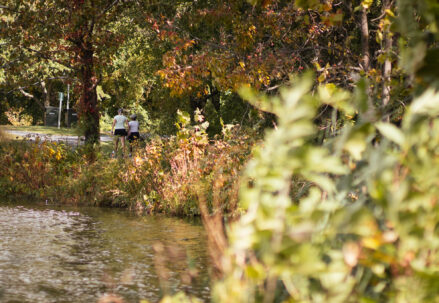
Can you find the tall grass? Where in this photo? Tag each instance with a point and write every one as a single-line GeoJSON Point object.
{"type": "Point", "coordinates": [166, 175]}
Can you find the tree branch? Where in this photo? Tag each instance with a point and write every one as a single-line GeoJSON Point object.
{"type": "Point", "coordinates": [5, 7]}
{"type": "Point", "coordinates": [29, 95]}
{"type": "Point", "coordinates": [47, 57]}
{"type": "Point", "coordinates": [109, 6]}
{"type": "Point", "coordinates": [26, 94]}
{"type": "Point", "coordinates": [388, 5]}
{"type": "Point", "coordinates": [39, 82]}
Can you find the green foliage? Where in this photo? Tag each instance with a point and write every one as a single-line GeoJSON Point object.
{"type": "Point", "coordinates": [105, 122]}
{"type": "Point", "coordinates": [234, 110]}
{"type": "Point", "coordinates": [354, 219]}
{"type": "Point", "coordinates": [419, 28]}
{"type": "Point", "coordinates": [214, 119]}
{"type": "Point", "coordinates": [365, 230]}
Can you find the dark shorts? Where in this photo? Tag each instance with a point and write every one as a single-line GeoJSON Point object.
{"type": "Point", "coordinates": [133, 136]}
{"type": "Point", "coordinates": [121, 132]}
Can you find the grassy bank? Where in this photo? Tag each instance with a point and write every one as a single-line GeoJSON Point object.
{"type": "Point", "coordinates": [41, 129]}
{"type": "Point", "coordinates": [163, 176]}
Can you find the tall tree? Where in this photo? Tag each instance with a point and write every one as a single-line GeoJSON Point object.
{"type": "Point", "coordinates": [75, 34]}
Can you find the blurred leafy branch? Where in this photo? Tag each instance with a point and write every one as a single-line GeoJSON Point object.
{"type": "Point", "coordinates": [365, 227]}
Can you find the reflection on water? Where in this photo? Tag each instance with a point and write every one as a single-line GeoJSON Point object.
{"type": "Point", "coordinates": [77, 255]}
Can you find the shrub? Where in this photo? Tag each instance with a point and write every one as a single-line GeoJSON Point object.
{"type": "Point", "coordinates": [366, 231]}
{"type": "Point", "coordinates": [31, 168]}
{"type": "Point", "coordinates": [168, 174]}
{"type": "Point", "coordinates": [19, 117]}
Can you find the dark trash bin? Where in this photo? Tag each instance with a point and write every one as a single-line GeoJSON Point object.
{"type": "Point", "coordinates": [52, 116]}
{"type": "Point", "coordinates": [71, 117]}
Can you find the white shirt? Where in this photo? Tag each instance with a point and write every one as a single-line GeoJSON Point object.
{"type": "Point", "coordinates": [120, 122]}
{"type": "Point", "coordinates": [134, 126]}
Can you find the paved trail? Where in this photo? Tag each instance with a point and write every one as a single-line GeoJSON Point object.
{"type": "Point", "coordinates": [70, 140]}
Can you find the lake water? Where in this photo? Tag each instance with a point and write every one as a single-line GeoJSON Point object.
{"type": "Point", "coordinates": [54, 254]}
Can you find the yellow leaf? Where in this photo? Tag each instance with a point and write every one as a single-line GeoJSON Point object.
{"type": "Point", "coordinates": [390, 13]}
{"type": "Point", "coordinates": [367, 3]}
{"type": "Point", "coordinates": [371, 242]}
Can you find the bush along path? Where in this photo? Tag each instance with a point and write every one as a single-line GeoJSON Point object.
{"type": "Point", "coordinates": [165, 175]}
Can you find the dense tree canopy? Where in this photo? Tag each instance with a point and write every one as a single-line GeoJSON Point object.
{"type": "Point", "coordinates": [162, 56]}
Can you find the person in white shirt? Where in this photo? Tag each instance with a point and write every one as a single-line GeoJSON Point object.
{"type": "Point", "coordinates": [118, 129]}
{"type": "Point", "coordinates": [133, 131]}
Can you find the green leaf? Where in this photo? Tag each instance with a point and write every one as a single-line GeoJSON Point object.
{"type": "Point", "coordinates": [183, 117]}
{"type": "Point", "coordinates": [308, 4]}
{"type": "Point", "coordinates": [391, 132]}
{"type": "Point", "coordinates": [360, 96]}
{"type": "Point", "coordinates": [427, 104]}
{"type": "Point", "coordinates": [413, 58]}
{"type": "Point", "coordinates": [336, 97]}
{"type": "Point", "coordinates": [354, 140]}
{"type": "Point", "coordinates": [258, 100]}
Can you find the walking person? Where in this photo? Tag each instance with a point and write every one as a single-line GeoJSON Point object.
{"type": "Point", "coordinates": [133, 132]}
{"type": "Point", "coordinates": [118, 129]}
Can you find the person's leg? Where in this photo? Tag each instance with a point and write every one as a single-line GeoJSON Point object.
{"type": "Point", "coordinates": [122, 142]}
{"type": "Point", "coordinates": [116, 143]}
{"type": "Point", "coordinates": [128, 138]}
{"type": "Point", "coordinates": [134, 143]}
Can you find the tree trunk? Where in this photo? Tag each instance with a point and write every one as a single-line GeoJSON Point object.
{"type": "Point", "coordinates": [88, 105]}
{"type": "Point", "coordinates": [387, 68]}
{"type": "Point", "coordinates": [370, 114]}
{"type": "Point", "coordinates": [364, 27]}
{"type": "Point", "coordinates": [47, 91]}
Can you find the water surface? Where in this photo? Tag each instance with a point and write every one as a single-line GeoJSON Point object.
{"type": "Point", "coordinates": [52, 254]}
